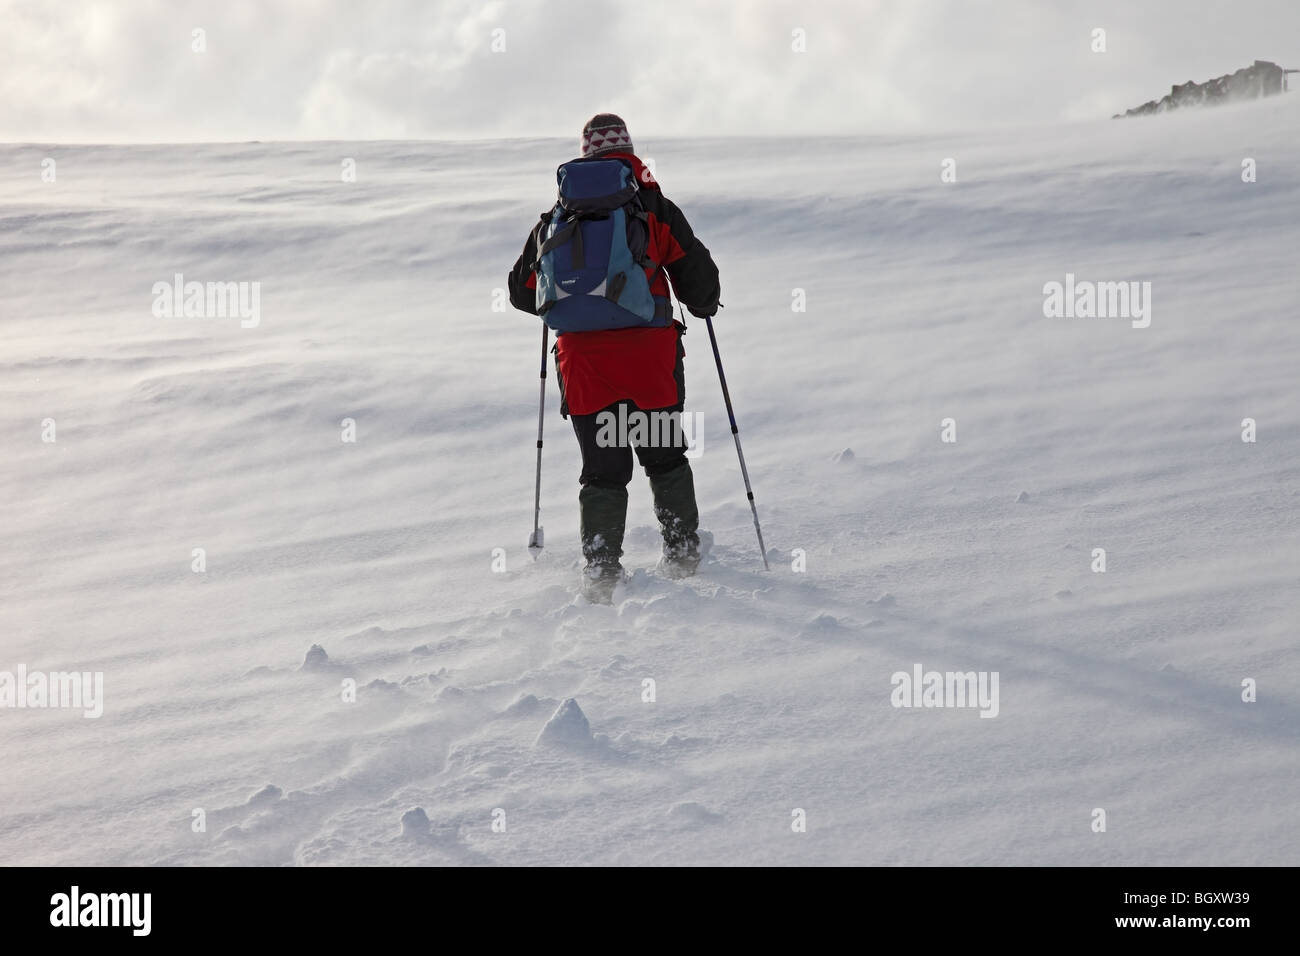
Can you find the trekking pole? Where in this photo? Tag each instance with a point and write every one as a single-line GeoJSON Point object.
{"type": "Point", "coordinates": [536, 540]}
{"type": "Point", "coordinates": [735, 433]}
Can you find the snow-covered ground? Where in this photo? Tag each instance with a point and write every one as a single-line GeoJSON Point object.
{"type": "Point", "coordinates": [1119, 690]}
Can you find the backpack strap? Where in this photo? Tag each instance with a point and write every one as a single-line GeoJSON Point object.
{"type": "Point", "coordinates": [572, 231]}
{"type": "Point", "coordinates": [537, 241]}
{"type": "Point", "coordinates": [614, 288]}
{"type": "Point", "coordinates": [645, 262]}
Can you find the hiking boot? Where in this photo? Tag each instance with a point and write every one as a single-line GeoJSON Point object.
{"type": "Point", "coordinates": [598, 583]}
{"type": "Point", "coordinates": [684, 565]}
{"type": "Point", "coordinates": [679, 520]}
{"type": "Point", "coordinates": [603, 513]}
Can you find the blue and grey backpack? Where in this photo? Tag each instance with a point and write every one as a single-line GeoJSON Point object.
{"type": "Point", "coordinates": [592, 252]}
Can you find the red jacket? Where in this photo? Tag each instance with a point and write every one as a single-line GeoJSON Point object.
{"type": "Point", "coordinates": [598, 369]}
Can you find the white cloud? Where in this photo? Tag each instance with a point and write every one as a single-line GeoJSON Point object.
{"type": "Point", "coordinates": [124, 70]}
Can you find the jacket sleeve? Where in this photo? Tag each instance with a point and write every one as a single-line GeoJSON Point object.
{"type": "Point", "coordinates": [689, 264]}
{"type": "Point", "coordinates": [522, 281]}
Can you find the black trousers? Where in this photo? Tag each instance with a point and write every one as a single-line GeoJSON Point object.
{"type": "Point", "coordinates": [609, 464]}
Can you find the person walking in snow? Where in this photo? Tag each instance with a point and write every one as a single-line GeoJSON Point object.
{"type": "Point", "coordinates": [618, 348]}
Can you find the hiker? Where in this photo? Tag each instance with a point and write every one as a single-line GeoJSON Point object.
{"type": "Point", "coordinates": [597, 269]}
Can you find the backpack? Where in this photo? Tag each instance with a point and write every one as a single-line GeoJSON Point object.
{"type": "Point", "coordinates": [592, 252]}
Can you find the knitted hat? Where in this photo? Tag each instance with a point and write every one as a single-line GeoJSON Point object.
{"type": "Point", "coordinates": [605, 133]}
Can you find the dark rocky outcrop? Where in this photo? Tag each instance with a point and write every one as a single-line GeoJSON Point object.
{"type": "Point", "coordinates": [1248, 83]}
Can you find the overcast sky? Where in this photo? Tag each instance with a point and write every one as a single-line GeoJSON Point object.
{"type": "Point", "coordinates": [126, 70]}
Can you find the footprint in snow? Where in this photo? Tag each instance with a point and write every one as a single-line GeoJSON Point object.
{"type": "Point", "coordinates": [693, 814]}
{"type": "Point", "coordinates": [822, 626]}
{"type": "Point", "coordinates": [523, 705]}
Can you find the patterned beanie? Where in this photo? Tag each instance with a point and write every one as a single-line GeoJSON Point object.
{"type": "Point", "coordinates": [605, 133]}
